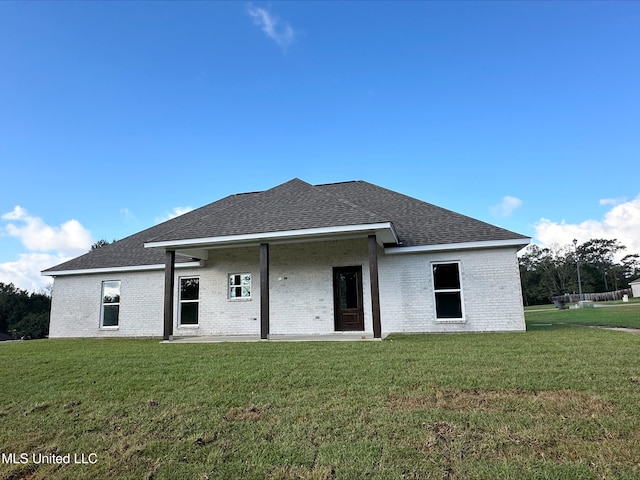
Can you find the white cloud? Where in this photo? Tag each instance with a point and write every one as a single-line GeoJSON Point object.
{"type": "Point", "coordinates": [506, 206]}
{"type": "Point", "coordinates": [48, 246]}
{"type": "Point", "coordinates": [16, 214]}
{"type": "Point", "coordinates": [277, 30]}
{"type": "Point", "coordinates": [127, 215]}
{"type": "Point", "coordinates": [612, 201]}
{"type": "Point", "coordinates": [176, 212]}
{"type": "Point", "coordinates": [70, 238]}
{"type": "Point", "coordinates": [622, 222]}
{"type": "Point", "coordinates": [25, 272]}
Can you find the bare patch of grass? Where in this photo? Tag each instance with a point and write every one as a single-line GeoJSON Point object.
{"type": "Point", "coordinates": [560, 402]}
{"type": "Point", "coordinates": [38, 407]}
{"type": "Point", "coordinates": [248, 413]}
{"type": "Point", "coordinates": [297, 472]}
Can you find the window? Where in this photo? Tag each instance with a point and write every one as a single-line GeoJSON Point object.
{"type": "Point", "coordinates": [110, 303]}
{"type": "Point", "coordinates": [447, 291]}
{"type": "Point", "coordinates": [189, 300]}
{"type": "Point", "coordinates": [239, 285]}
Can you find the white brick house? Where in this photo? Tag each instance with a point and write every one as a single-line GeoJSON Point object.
{"type": "Point", "coordinates": [297, 259]}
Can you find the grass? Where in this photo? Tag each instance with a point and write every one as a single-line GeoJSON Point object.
{"type": "Point", "coordinates": [607, 314]}
{"type": "Point", "coordinates": [551, 403]}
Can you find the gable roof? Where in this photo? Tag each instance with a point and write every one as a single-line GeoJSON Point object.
{"type": "Point", "coordinates": [296, 206]}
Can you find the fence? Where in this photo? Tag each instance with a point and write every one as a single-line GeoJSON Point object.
{"type": "Point", "coordinates": [594, 297]}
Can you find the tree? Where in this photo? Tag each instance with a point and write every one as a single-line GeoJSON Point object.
{"type": "Point", "coordinates": [631, 266]}
{"type": "Point", "coordinates": [546, 272]}
{"type": "Point", "coordinates": [100, 243]}
{"type": "Point", "coordinates": [23, 315]}
{"type": "Point", "coordinates": [597, 257]}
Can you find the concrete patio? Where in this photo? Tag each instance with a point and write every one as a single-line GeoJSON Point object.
{"type": "Point", "coordinates": [334, 337]}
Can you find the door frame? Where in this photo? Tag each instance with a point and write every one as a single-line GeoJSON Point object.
{"type": "Point", "coordinates": [339, 324]}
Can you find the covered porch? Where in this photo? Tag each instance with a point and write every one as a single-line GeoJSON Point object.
{"type": "Point", "coordinates": [348, 310]}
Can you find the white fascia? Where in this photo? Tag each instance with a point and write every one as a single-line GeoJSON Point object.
{"type": "Point", "coordinates": [384, 231]}
{"type": "Point", "coordinates": [131, 268]}
{"type": "Point", "coordinates": [459, 246]}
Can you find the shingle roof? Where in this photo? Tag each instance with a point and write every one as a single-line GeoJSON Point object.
{"type": "Point", "coordinates": [416, 222]}
{"type": "Point", "coordinates": [297, 205]}
{"type": "Point", "coordinates": [294, 205]}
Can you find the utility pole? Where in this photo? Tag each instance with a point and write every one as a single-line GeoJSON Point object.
{"type": "Point", "coordinates": [575, 246]}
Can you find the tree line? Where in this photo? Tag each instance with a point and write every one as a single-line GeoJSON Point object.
{"type": "Point", "coordinates": [547, 272]}
{"type": "Point", "coordinates": [23, 314]}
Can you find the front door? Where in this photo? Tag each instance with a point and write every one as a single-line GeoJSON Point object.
{"type": "Point", "coordinates": [347, 298]}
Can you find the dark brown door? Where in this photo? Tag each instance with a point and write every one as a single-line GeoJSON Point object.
{"type": "Point", "coordinates": [347, 298]}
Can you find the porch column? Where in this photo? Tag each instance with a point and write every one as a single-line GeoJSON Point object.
{"type": "Point", "coordinates": [375, 287]}
{"type": "Point", "coordinates": [169, 270]}
{"type": "Point", "coordinates": [264, 291]}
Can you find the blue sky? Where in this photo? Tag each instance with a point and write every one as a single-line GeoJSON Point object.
{"type": "Point", "coordinates": [116, 115]}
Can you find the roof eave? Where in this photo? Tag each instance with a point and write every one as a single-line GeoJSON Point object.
{"type": "Point", "coordinates": [384, 231]}
{"type": "Point", "coordinates": [128, 268]}
{"type": "Point", "coordinates": [517, 243]}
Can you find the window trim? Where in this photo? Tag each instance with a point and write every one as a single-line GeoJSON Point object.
{"type": "Point", "coordinates": [463, 318]}
{"type": "Point", "coordinates": [239, 299]}
{"type": "Point", "coordinates": [102, 305]}
{"type": "Point", "coordinates": [181, 302]}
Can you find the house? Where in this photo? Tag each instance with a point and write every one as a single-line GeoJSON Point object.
{"type": "Point", "coordinates": [297, 259]}
{"type": "Point", "coordinates": [635, 288]}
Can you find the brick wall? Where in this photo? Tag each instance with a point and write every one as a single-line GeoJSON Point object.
{"type": "Point", "coordinates": [301, 293]}
{"type": "Point", "coordinates": [218, 314]}
{"type": "Point", "coordinates": [491, 291]}
{"type": "Point", "coordinates": [76, 305]}
{"type": "Point", "coordinates": [301, 282]}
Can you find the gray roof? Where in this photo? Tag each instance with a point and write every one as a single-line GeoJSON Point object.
{"type": "Point", "coordinates": [297, 205]}
{"type": "Point", "coordinates": [294, 205]}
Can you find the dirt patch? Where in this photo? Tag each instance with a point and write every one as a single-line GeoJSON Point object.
{"type": "Point", "coordinates": [38, 407]}
{"type": "Point", "coordinates": [554, 402]}
{"type": "Point", "coordinates": [635, 331]}
{"type": "Point", "coordinates": [295, 472]}
{"type": "Point", "coordinates": [247, 413]}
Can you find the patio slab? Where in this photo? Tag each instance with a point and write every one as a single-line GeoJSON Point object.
{"type": "Point", "coordinates": [334, 337]}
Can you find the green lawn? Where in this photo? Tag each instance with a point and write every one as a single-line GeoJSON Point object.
{"type": "Point", "coordinates": [609, 314]}
{"type": "Point", "coordinates": [553, 403]}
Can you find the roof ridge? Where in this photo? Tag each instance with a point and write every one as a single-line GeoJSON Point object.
{"type": "Point", "coordinates": [448, 210]}
{"type": "Point", "coordinates": [344, 200]}
{"type": "Point", "coordinates": [336, 183]}
{"type": "Point", "coordinates": [222, 209]}
{"type": "Point", "coordinates": [246, 196]}
{"type": "Point", "coordinates": [295, 193]}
